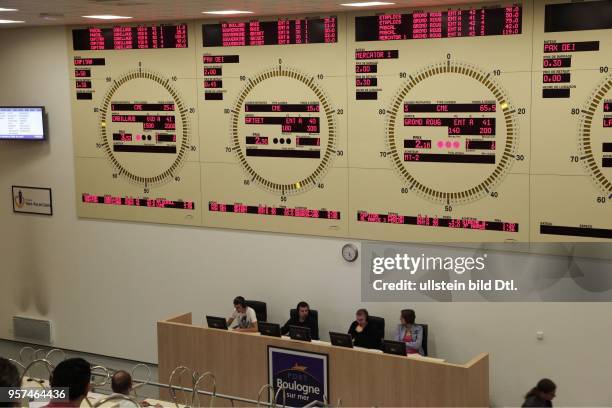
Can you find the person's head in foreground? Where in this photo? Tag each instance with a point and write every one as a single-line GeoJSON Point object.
{"type": "Point", "coordinates": [74, 374]}
{"type": "Point", "coordinates": [9, 377]}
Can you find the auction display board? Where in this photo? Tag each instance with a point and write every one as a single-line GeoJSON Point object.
{"type": "Point", "coordinates": [438, 147]}
{"type": "Point", "coordinates": [135, 123]}
{"type": "Point", "coordinates": [473, 123]}
{"type": "Point", "coordinates": [571, 182]}
{"type": "Point", "coordinates": [273, 102]}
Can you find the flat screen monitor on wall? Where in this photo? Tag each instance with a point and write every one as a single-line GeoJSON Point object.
{"type": "Point", "coordinates": [22, 123]}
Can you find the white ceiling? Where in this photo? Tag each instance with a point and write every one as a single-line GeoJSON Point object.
{"type": "Point", "coordinates": [60, 12]}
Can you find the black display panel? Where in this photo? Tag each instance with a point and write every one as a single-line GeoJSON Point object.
{"type": "Point", "coordinates": [280, 32]}
{"type": "Point", "coordinates": [590, 15]}
{"type": "Point", "coordinates": [130, 38]}
{"type": "Point", "coordinates": [440, 24]}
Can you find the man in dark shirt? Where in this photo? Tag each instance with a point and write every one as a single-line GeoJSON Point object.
{"type": "Point", "coordinates": [302, 319]}
{"type": "Point", "coordinates": [73, 374]}
{"type": "Point", "coordinates": [364, 333]}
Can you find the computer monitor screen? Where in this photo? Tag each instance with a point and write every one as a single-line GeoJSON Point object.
{"type": "Point", "coordinates": [300, 333]}
{"type": "Point", "coordinates": [216, 322]}
{"type": "Point", "coordinates": [341, 339]}
{"type": "Point", "coordinates": [22, 123]}
{"type": "Point", "coordinates": [394, 347]}
{"type": "Point", "coordinates": [269, 329]}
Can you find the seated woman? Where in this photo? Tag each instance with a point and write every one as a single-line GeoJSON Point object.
{"type": "Point", "coordinates": [410, 333]}
{"type": "Point", "coordinates": [541, 395]}
{"type": "Point", "coordinates": [364, 333]}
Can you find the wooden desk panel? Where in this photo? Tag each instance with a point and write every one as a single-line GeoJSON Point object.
{"type": "Point", "coordinates": [358, 378]}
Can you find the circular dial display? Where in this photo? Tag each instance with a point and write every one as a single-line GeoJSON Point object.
{"type": "Point", "coordinates": [285, 144]}
{"type": "Point", "coordinates": [144, 127]}
{"type": "Point", "coordinates": [457, 148]}
{"type": "Point", "coordinates": [595, 136]}
{"type": "Point", "coordinates": [350, 252]}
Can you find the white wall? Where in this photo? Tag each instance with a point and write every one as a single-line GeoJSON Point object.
{"type": "Point", "coordinates": [105, 284]}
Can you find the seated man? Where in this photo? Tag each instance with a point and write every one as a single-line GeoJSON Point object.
{"type": "Point", "coordinates": [243, 318]}
{"type": "Point", "coordinates": [302, 319]}
{"type": "Point", "coordinates": [9, 377]}
{"type": "Point", "coordinates": [364, 333]}
{"type": "Point", "coordinates": [121, 384]}
{"type": "Point", "coordinates": [74, 374]}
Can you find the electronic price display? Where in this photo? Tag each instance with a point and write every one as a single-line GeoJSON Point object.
{"type": "Point", "coordinates": [279, 32]}
{"type": "Point", "coordinates": [571, 174]}
{"type": "Point", "coordinates": [440, 24]}
{"type": "Point", "coordinates": [130, 38]}
{"type": "Point", "coordinates": [244, 123]}
{"type": "Point", "coordinates": [439, 143]}
{"type": "Point", "coordinates": [134, 121]}
{"type": "Point", "coordinates": [276, 157]}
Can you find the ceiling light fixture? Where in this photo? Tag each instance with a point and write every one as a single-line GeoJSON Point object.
{"type": "Point", "coordinates": [7, 9]}
{"type": "Point", "coordinates": [367, 4]}
{"type": "Point", "coordinates": [227, 12]}
{"type": "Point", "coordinates": [107, 17]}
{"type": "Point", "coordinates": [11, 21]}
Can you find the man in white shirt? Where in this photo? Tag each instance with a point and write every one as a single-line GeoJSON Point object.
{"type": "Point", "coordinates": [243, 317]}
{"type": "Point", "coordinates": [121, 384]}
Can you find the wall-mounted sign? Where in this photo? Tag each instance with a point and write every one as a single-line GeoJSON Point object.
{"type": "Point", "coordinates": [302, 375]}
{"type": "Point", "coordinates": [32, 200]}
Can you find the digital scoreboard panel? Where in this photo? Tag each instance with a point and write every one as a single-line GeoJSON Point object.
{"type": "Point", "coordinates": [439, 145]}
{"type": "Point", "coordinates": [130, 38]}
{"type": "Point", "coordinates": [571, 175]}
{"type": "Point", "coordinates": [330, 125]}
{"type": "Point", "coordinates": [278, 32]}
{"type": "Point", "coordinates": [440, 24]}
{"type": "Point", "coordinates": [276, 124]}
{"type": "Point", "coordinates": [135, 123]}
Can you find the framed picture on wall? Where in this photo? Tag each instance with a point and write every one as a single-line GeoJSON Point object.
{"type": "Point", "coordinates": [32, 200]}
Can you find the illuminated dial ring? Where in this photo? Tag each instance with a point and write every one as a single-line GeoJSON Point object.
{"type": "Point", "coordinates": [303, 184]}
{"type": "Point", "coordinates": [507, 157]}
{"type": "Point", "coordinates": [105, 111]}
{"type": "Point", "coordinates": [585, 137]}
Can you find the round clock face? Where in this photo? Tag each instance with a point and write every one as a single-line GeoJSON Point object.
{"type": "Point", "coordinates": [349, 252]}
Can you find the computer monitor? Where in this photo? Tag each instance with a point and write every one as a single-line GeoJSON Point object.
{"type": "Point", "coordinates": [341, 339]}
{"type": "Point", "coordinates": [216, 322]}
{"type": "Point", "coordinates": [300, 333]}
{"type": "Point", "coordinates": [394, 347]}
{"type": "Point", "coordinates": [269, 329]}
{"type": "Point", "coordinates": [22, 123]}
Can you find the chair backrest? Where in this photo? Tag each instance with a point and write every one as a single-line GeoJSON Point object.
{"type": "Point", "coordinates": [379, 323]}
{"type": "Point", "coordinates": [425, 330]}
{"type": "Point", "coordinates": [261, 309]}
{"type": "Point", "coordinates": [313, 314]}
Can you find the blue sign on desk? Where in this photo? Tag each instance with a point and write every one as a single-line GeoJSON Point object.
{"type": "Point", "coordinates": [303, 376]}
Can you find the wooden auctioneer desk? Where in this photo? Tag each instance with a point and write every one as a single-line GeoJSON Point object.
{"type": "Point", "coordinates": [359, 378]}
